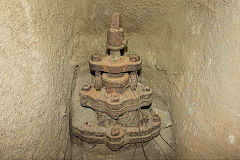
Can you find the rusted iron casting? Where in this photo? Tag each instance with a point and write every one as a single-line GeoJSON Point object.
{"type": "Point", "coordinates": [117, 97]}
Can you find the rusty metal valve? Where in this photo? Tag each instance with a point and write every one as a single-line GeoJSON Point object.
{"type": "Point", "coordinates": [117, 96]}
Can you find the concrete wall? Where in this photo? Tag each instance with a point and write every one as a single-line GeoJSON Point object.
{"type": "Point", "coordinates": [35, 81]}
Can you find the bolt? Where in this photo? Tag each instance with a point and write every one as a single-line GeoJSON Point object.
{"type": "Point", "coordinates": [96, 58]}
{"type": "Point", "coordinates": [104, 96]}
{"type": "Point", "coordinates": [86, 87]}
{"type": "Point", "coordinates": [155, 118]}
{"type": "Point", "coordinates": [134, 58]}
{"type": "Point", "coordinates": [146, 88]}
{"type": "Point", "coordinates": [115, 98]}
{"type": "Point", "coordinates": [115, 131]}
{"type": "Point", "coordinates": [121, 59]}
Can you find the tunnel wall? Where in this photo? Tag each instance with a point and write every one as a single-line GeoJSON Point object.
{"type": "Point", "coordinates": [190, 58]}
{"type": "Point", "coordinates": [35, 51]}
{"type": "Point", "coordinates": [205, 85]}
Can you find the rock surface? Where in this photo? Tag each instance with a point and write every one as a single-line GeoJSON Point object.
{"type": "Point", "coordinates": [35, 78]}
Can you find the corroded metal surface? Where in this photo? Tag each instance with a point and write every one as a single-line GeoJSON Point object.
{"type": "Point", "coordinates": [116, 136]}
{"type": "Point", "coordinates": [98, 81]}
{"type": "Point", "coordinates": [115, 34]}
{"type": "Point", "coordinates": [115, 104]}
{"type": "Point", "coordinates": [123, 64]}
{"type": "Point", "coordinates": [117, 97]}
